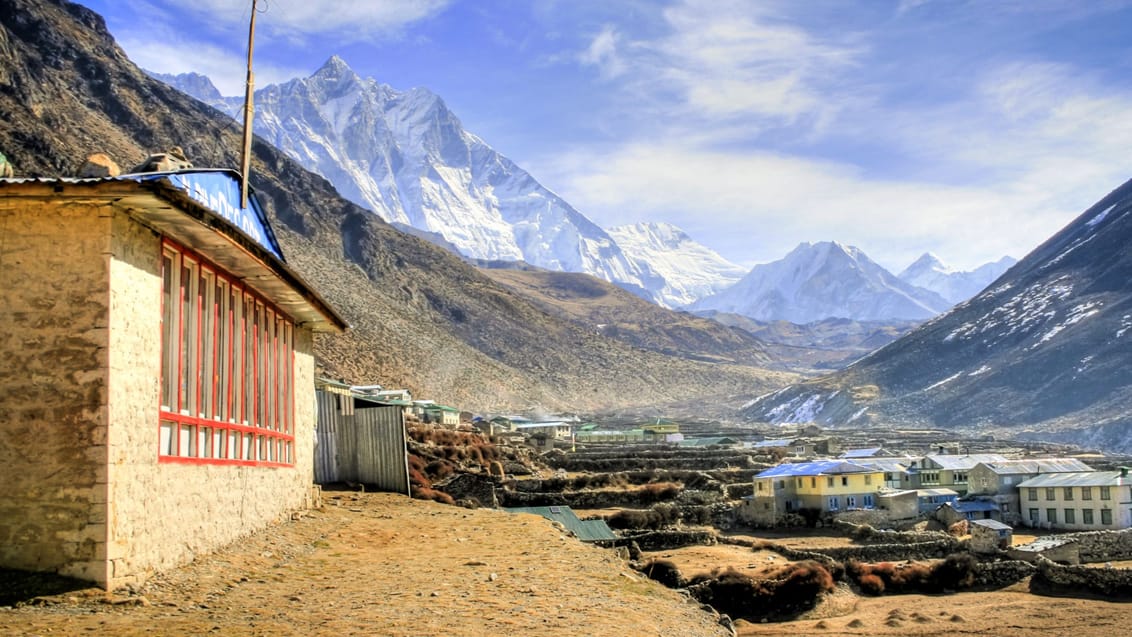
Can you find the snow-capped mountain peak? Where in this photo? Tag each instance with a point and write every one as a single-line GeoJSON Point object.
{"type": "Point", "coordinates": [931, 273]}
{"type": "Point", "coordinates": [688, 269]}
{"type": "Point", "coordinates": [821, 280]}
{"type": "Point", "coordinates": [406, 156]}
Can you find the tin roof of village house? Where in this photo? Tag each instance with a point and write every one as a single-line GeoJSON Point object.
{"type": "Point", "coordinates": [1079, 479]}
{"type": "Point", "coordinates": [817, 467]}
{"type": "Point", "coordinates": [1037, 465]}
{"type": "Point", "coordinates": [959, 462]}
{"type": "Point", "coordinates": [200, 208]}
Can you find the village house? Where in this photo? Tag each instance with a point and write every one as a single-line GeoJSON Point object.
{"type": "Point", "coordinates": [1079, 501]}
{"type": "Point", "coordinates": [556, 430]}
{"type": "Point", "coordinates": [827, 486]}
{"type": "Point", "coordinates": [948, 471]}
{"type": "Point", "coordinates": [990, 536]}
{"type": "Point", "coordinates": [999, 481]}
{"type": "Point", "coordinates": [159, 375]}
{"type": "Point", "coordinates": [896, 475]}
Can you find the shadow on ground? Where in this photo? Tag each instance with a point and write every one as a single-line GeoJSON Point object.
{"type": "Point", "coordinates": [18, 587]}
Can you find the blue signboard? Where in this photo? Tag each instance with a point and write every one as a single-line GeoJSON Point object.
{"type": "Point", "coordinates": [219, 191]}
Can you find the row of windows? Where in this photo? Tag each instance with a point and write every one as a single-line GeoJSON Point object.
{"type": "Point", "coordinates": [1067, 493]}
{"type": "Point", "coordinates": [851, 502]}
{"type": "Point", "coordinates": [1069, 516]}
{"type": "Point", "coordinates": [227, 361]}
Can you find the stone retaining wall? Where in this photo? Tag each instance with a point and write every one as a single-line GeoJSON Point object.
{"type": "Point", "coordinates": [668, 540]}
{"type": "Point", "coordinates": [1102, 546]}
{"type": "Point", "coordinates": [1116, 582]}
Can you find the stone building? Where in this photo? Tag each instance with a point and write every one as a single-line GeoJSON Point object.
{"type": "Point", "coordinates": [157, 386]}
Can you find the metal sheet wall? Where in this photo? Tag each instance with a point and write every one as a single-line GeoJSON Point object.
{"type": "Point", "coordinates": [326, 437]}
{"type": "Point", "coordinates": [367, 446]}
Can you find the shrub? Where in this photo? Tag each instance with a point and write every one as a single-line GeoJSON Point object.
{"type": "Point", "coordinates": [955, 572]}
{"type": "Point", "coordinates": [439, 469]}
{"type": "Point", "coordinates": [425, 493]}
{"type": "Point", "coordinates": [665, 572]}
{"type": "Point", "coordinates": [787, 592]}
{"type": "Point", "coordinates": [871, 584]}
{"type": "Point", "coordinates": [657, 491]}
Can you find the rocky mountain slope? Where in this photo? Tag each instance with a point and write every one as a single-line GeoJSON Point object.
{"type": "Point", "coordinates": [1045, 352]}
{"type": "Point", "coordinates": [406, 156]}
{"type": "Point", "coordinates": [421, 317]}
{"type": "Point", "coordinates": [955, 286]}
{"type": "Point", "coordinates": [607, 309]}
{"type": "Point", "coordinates": [688, 270]}
{"type": "Point", "coordinates": [817, 281]}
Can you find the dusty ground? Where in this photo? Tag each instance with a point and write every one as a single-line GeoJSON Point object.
{"type": "Point", "coordinates": [378, 564]}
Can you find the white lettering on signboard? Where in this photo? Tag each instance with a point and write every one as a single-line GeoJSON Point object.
{"type": "Point", "coordinates": [219, 193]}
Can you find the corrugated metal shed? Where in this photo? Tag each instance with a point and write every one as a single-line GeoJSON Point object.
{"type": "Point", "coordinates": [861, 453]}
{"type": "Point", "coordinates": [585, 530]}
{"type": "Point", "coordinates": [361, 440]}
{"type": "Point", "coordinates": [1080, 479]}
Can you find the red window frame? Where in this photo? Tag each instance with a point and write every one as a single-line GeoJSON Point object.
{"type": "Point", "coordinates": [227, 368]}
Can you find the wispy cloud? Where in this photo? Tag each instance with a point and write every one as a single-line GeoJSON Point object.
{"type": "Point", "coordinates": [602, 53]}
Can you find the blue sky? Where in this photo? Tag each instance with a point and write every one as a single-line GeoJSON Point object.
{"type": "Point", "coordinates": [972, 129]}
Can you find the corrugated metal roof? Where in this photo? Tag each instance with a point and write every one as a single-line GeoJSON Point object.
{"type": "Point", "coordinates": [974, 506]}
{"type": "Point", "coordinates": [993, 524]}
{"type": "Point", "coordinates": [817, 467]}
{"type": "Point", "coordinates": [892, 465]}
{"type": "Point", "coordinates": [924, 493]}
{"type": "Point", "coordinates": [1037, 465]}
{"type": "Point", "coordinates": [861, 453]}
{"type": "Point", "coordinates": [953, 461]}
{"type": "Point", "coordinates": [585, 530]}
{"type": "Point", "coordinates": [1078, 479]}
{"type": "Point", "coordinates": [162, 202]}
{"type": "Point", "coordinates": [780, 442]}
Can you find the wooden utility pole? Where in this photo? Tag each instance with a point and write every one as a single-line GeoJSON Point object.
{"type": "Point", "coordinates": [249, 110]}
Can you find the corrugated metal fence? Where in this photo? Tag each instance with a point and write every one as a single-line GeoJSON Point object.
{"type": "Point", "coordinates": [358, 441]}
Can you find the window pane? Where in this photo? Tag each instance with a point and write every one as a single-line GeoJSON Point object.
{"type": "Point", "coordinates": [249, 447]}
{"type": "Point", "coordinates": [187, 443]}
{"type": "Point", "coordinates": [249, 360]}
{"type": "Point", "coordinates": [236, 309]}
{"type": "Point", "coordinates": [206, 376]}
{"type": "Point", "coordinates": [204, 442]}
{"type": "Point", "coordinates": [223, 351]}
{"type": "Point", "coordinates": [167, 440]}
{"type": "Point", "coordinates": [188, 337]}
{"type": "Point", "coordinates": [169, 341]}
{"type": "Point", "coordinates": [218, 444]}
{"type": "Point", "coordinates": [233, 445]}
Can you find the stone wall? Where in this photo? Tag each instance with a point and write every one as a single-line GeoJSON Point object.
{"type": "Point", "coordinates": [1114, 582]}
{"type": "Point", "coordinates": [667, 540]}
{"type": "Point", "coordinates": [162, 514]}
{"type": "Point", "coordinates": [80, 296]}
{"type": "Point", "coordinates": [53, 387]}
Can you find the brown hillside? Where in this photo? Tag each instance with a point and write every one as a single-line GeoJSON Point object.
{"type": "Point", "coordinates": [603, 307]}
{"type": "Point", "coordinates": [422, 318]}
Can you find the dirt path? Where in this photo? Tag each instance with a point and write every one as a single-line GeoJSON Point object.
{"type": "Point", "coordinates": [378, 564]}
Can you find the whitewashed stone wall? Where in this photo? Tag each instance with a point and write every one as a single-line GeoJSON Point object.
{"type": "Point", "coordinates": [85, 494]}
{"type": "Point", "coordinates": [53, 387]}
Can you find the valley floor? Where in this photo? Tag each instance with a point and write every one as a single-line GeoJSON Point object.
{"type": "Point", "coordinates": [379, 564]}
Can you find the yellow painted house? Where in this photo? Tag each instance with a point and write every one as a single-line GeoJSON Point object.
{"type": "Point", "coordinates": [828, 486]}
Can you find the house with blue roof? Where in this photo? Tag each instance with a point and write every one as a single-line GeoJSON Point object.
{"type": "Point", "coordinates": [825, 486]}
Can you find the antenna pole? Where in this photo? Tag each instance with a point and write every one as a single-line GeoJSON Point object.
{"type": "Point", "coordinates": [249, 110]}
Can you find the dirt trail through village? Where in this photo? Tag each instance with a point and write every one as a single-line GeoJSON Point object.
{"type": "Point", "coordinates": [378, 564]}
